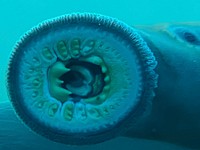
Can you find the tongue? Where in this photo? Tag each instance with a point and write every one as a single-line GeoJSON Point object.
{"type": "Point", "coordinates": [79, 91]}
{"type": "Point", "coordinates": [80, 87]}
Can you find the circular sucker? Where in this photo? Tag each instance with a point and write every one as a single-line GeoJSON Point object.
{"type": "Point", "coordinates": [81, 78]}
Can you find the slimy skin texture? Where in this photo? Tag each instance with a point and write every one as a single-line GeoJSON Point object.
{"type": "Point", "coordinates": [175, 110]}
{"type": "Point", "coordinates": [86, 78]}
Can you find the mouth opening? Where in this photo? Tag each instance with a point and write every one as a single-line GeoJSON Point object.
{"type": "Point", "coordinates": [84, 79]}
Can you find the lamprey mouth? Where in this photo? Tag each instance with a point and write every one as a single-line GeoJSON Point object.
{"type": "Point", "coordinates": [81, 78]}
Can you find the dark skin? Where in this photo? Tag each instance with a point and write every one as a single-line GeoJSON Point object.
{"type": "Point", "coordinates": [176, 106]}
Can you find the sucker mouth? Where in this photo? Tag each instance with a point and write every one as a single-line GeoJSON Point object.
{"type": "Point", "coordinates": [83, 78]}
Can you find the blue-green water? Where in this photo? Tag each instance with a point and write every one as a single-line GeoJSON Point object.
{"type": "Point", "coordinates": [19, 16]}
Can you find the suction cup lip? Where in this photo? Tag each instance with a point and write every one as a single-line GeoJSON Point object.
{"type": "Point", "coordinates": [146, 59]}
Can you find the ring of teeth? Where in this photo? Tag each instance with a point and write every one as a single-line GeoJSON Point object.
{"type": "Point", "coordinates": [73, 97]}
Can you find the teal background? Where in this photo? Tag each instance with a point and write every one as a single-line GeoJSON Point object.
{"type": "Point", "coordinates": [19, 16]}
{"type": "Point", "coordinates": [16, 17]}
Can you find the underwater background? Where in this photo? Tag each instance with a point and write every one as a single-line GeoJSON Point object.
{"type": "Point", "coordinates": [19, 16]}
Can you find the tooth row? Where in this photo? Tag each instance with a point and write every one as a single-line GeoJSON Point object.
{"type": "Point", "coordinates": [94, 59]}
{"type": "Point", "coordinates": [75, 111]}
{"type": "Point", "coordinates": [94, 112]}
{"type": "Point", "coordinates": [35, 61]}
{"type": "Point", "coordinates": [68, 110]}
{"type": "Point", "coordinates": [44, 105]}
{"type": "Point", "coordinates": [81, 112]}
{"type": "Point", "coordinates": [33, 77]}
{"type": "Point", "coordinates": [52, 109]}
{"type": "Point", "coordinates": [62, 50]}
{"type": "Point", "coordinates": [66, 50]}
{"type": "Point", "coordinates": [88, 47]}
{"type": "Point", "coordinates": [98, 61]}
{"type": "Point", "coordinates": [36, 82]}
{"type": "Point", "coordinates": [98, 112]}
{"type": "Point", "coordinates": [75, 47]}
{"type": "Point", "coordinates": [47, 54]}
{"type": "Point", "coordinates": [101, 97]}
{"type": "Point", "coordinates": [39, 103]}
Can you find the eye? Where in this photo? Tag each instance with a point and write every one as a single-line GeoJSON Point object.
{"type": "Point", "coordinates": [189, 37]}
{"type": "Point", "coordinates": [186, 34]}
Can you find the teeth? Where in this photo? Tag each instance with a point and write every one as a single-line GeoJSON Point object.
{"type": "Point", "coordinates": [53, 108]}
{"type": "Point", "coordinates": [91, 100]}
{"type": "Point", "coordinates": [93, 112]}
{"type": "Point", "coordinates": [102, 97]}
{"type": "Point", "coordinates": [68, 111]}
{"type": "Point", "coordinates": [88, 47]}
{"type": "Point", "coordinates": [62, 51]}
{"type": "Point", "coordinates": [37, 82]}
{"type": "Point", "coordinates": [40, 104]}
{"type": "Point", "coordinates": [107, 79]}
{"type": "Point", "coordinates": [57, 70]}
{"type": "Point", "coordinates": [104, 111]}
{"type": "Point", "coordinates": [59, 81]}
{"type": "Point", "coordinates": [94, 59]}
{"type": "Point", "coordinates": [47, 54]}
{"type": "Point", "coordinates": [59, 93]}
{"type": "Point", "coordinates": [98, 61]}
{"type": "Point", "coordinates": [104, 69]}
{"type": "Point", "coordinates": [80, 111]}
{"type": "Point", "coordinates": [75, 48]}
{"type": "Point", "coordinates": [36, 62]}
{"type": "Point", "coordinates": [96, 100]}
{"type": "Point", "coordinates": [106, 88]}
{"type": "Point", "coordinates": [35, 94]}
